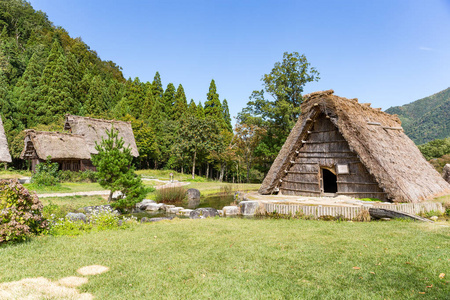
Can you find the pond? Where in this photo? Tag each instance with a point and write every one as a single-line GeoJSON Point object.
{"type": "Point", "coordinates": [214, 201]}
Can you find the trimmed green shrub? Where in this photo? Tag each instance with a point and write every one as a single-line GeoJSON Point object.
{"type": "Point", "coordinates": [80, 176]}
{"type": "Point", "coordinates": [46, 174]}
{"type": "Point", "coordinates": [20, 213]}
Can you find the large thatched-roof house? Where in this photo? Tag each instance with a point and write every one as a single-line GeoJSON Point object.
{"type": "Point", "coordinates": [4, 151]}
{"type": "Point", "coordinates": [342, 147]}
{"type": "Point", "coordinates": [72, 151]}
{"type": "Point", "coordinates": [94, 129]}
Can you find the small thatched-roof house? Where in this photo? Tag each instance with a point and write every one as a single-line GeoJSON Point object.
{"type": "Point", "coordinates": [73, 150]}
{"type": "Point", "coordinates": [94, 129]}
{"type": "Point", "coordinates": [68, 150]}
{"type": "Point", "coordinates": [4, 151]}
{"type": "Point", "coordinates": [342, 147]}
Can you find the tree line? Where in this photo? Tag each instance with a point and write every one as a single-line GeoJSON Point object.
{"type": "Point", "coordinates": [44, 74]}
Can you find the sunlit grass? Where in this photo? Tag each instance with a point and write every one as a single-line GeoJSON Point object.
{"type": "Point", "coordinates": [246, 259]}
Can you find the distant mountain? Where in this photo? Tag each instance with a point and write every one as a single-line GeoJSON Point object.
{"type": "Point", "coordinates": [426, 119]}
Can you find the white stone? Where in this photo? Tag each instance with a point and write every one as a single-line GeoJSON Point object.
{"type": "Point", "coordinates": [167, 207]}
{"type": "Point", "coordinates": [230, 210]}
{"type": "Point", "coordinates": [175, 210]}
{"type": "Point", "coordinates": [184, 212]}
{"type": "Point", "coordinates": [220, 211]}
{"type": "Point", "coordinates": [154, 206]}
{"type": "Point", "coordinates": [434, 218]}
{"type": "Point", "coordinates": [248, 208]}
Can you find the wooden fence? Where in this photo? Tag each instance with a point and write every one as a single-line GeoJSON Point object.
{"type": "Point", "coordinates": [348, 212]}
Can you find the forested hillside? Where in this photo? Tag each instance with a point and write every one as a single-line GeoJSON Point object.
{"type": "Point", "coordinates": [426, 119]}
{"type": "Point", "coordinates": [45, 73]}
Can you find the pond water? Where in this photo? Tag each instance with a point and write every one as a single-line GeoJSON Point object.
{"type": "Point", "coordinates": [214, 201]}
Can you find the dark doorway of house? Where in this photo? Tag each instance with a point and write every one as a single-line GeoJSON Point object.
{"type": "Point", "coordinates": [329, 181]}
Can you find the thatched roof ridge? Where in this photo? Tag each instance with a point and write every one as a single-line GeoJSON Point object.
{"type": "Point", "coordinates": [376, 137]}
{"type": "Point", "coordinates": [4, 150]}
{"type": "Point", "coordinates": [94, 129]}
{"type": "Point", "coordinates": [57, 145]}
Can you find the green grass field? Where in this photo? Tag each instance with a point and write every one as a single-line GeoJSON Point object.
{"type": "Point", "coordinates": [232, 258]}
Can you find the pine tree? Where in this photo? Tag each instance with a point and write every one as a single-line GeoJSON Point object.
{"type": "Point", "coordinates": [192, 108]}
{"type": "Point", "coordinates": [213, 107]}
{"type": "Point", "coordinates": [168, 100]}
{"type": "Point", "coordinates": [157, 86]}
{"type": "Point", "coordinates": [180, 105]}
{"type": "Point", "coordinates": [97, 100]}
{"type": "Point", "coordinates": [26, 92]}
{"type": "Point", "coordinates": [226, 116]}
{"type": "Point", "coordinates": [135, 95]}
{"type": "Point", "coordinates": [200, 111]}
{"type": "Point", "coordinates": [55, 91]}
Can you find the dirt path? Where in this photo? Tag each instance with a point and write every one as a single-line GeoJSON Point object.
{"type": "Point", "coordinates": [106, 192]}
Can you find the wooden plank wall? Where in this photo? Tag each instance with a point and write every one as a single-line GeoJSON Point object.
{"type": "Point", "coordinates": [325, 147]}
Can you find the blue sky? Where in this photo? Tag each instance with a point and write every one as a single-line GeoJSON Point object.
{"type": "Point", "coordinates": [383, 52]}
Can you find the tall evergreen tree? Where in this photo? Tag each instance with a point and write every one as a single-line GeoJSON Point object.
{"type": "Point", "coordinates": [55, 88]}
{"type": "Point", "coordinates": [200, 111]}
{"type": "Point", "coordinates": [180, 105]}
{"type": "Point", "coordinates": [213, 107]}
{"type": "Point", "coordinates": [97, 98]}
{"type": "Point", "coordinates": [226, 116]}
{"type": "Point", "coordinates": [135, 95]}
{"type": "Point", "coordinates": [192, 108]}
{"type": "Point", "coordinates": [157, 86]}
{"type": "Point", "coordinates": [168, 100]}
{"type": "Point", "coordinates": [27, 91]}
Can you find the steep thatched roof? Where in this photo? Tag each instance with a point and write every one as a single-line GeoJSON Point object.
{"type": "Point", "coordinates": [378, 140]}
{"type": "Point", "coordinates": [94, 129]}
{"type": "Point", "coordinates": [55, 144]}
{"type": "Point", "coordinates": [4, 151]}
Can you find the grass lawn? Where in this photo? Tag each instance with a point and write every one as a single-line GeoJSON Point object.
{"type": "Point", "coordinates": [14, 174]}
{"type": "Point", "coordinates": [230, 258]}
{"type": "Point", "coordinates": [66, 187]}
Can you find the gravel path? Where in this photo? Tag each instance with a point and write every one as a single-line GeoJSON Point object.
{"type": "Point", "coordinates": [103, 193]}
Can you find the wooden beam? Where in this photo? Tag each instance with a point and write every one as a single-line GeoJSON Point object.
{"type": "Point", "coordinates": [302, 191]}
{"type": "Point", "coordinates": [300, 182]}
{"type": "Point", "coordinates": [379, 213]}
{"type": "Point", "coordinates": [363, 183]}
{"type": "Point", "coordinates": [349, 193]}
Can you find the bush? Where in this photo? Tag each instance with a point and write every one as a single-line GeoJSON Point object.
{"type": "Point", "coordinates": [80, 176]}
{"type": "Point", "coordinates": [171, 195]}
{"type": "Point", "coordinates": [20, 213]}
{"type": "Point", "coordinates": [104, 219]}
{"type": "Point", "coordinates": [46, 174]}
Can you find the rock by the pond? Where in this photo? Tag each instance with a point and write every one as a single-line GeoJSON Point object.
{"type": "Point", "coordinates": [98, 208]}
{"type": "Point", "coordinates": [204, 212]}
{"type": "Point", "coordinates": [153, 206]}
{"type": "Point", "coordinates": [193, 194]}
{"type": "Point", "coordinates": [220, 211]}
{"type": "Point", "coordinates": [76, 217]}
{"type": "Point", "coordinates": [167, 207]}
{"type": "Point", "coordinates": [144, 203]}
{"type": "Point", "coordinates": [175, 210]}
{"type": "Point", "coordinates": [230, 210]}
{"type": "Point", "coordinates": [146, 220]}
{"type": "Point", "coordinates": [117, 195]}
{"type": "Point", "coordinates": [184, 212]}
{"type": "Point", "coordinates": [434, 218]}
{"type": "Point", "coordinates": [248, 208]}
{"type": "Point", "coordinates": [24, 180]}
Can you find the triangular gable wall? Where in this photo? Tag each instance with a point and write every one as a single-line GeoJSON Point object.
{"type": "Point", "coordinates": [323, 147]}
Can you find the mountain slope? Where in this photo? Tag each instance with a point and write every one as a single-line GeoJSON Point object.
{"type": "Point", "coordinates": [426, 119]}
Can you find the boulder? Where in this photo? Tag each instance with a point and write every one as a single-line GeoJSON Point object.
{"type": "Point", "coordinates": [76, 217]}
{"type": "Point", "coordinates": [230, 210]}
{"type": "Point", "coordinates": [193, 194]}
{"type": "Point", "coordinates": [153, 206]}
{"type": "Point", "coordinates": [446, 174]}
{"type": "Point", "coordinates": [202, 213]}
{"type": "Point", "coordinates": [117, 195]}
{"type": "Point", "coordinates": [146, 220]}
{"type": "Point", "coordinates": [248, 208]}
{"type": "Point", "coordinates": [144, 203]}
{"type": "Point", "coordinates": [98, 208]}
{"type": "Point", "coordinates": [174, 210]}
{"type": "Point", "coordinates": [184, 212]}
{"type": "Point", "coordinates": [167, 207]}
